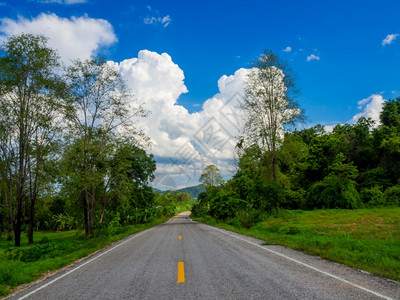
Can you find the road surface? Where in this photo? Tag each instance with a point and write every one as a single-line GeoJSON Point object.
{"type": "Point", "coordinates": [182, 259]}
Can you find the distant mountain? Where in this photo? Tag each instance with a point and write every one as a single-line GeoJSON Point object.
{"type": "Point", "coordinates": [193, 191]}
{"type": "Point", "coordinates": [157, 191]}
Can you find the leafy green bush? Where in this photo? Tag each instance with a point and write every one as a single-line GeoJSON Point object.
{"type": "Point", "coordinates": [294, 199]}
{"type": "Point", "coordinates": [392, 196]}
{"type": "Point", "coordinates": [199, 209]}
{"type": "Point", "coordinates": [224, 204]}
{"type": "Point", "coordinates": [267, 197]}
{"type": "Point", "coordinates": [372, 197]}
{"type": "Point", "coordinates": [333, 192]}
{"type": "Point", "coordinates": [64, 222]}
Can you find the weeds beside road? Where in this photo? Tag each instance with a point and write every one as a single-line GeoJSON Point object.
{"type": "Point", "coordinates": [368, 239]}
{"type": "Point", "coordinates": [54, 250]}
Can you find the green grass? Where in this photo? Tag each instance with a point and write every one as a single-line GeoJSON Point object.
{"type": "Point", "coordinates": [52, 251]}
{"type": "Point", "coordinates": [367, 239]}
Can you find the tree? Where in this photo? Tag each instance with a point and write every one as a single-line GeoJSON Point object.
{"type": "Point", "coordinates": [30, 106]}
{"type": "Point", "coordinates": [390, 115]}
{"type": "Point", "coordinates": [211, 176]}
{"type": "Point", "coordinates": [129, 171]}
{"type": "Point", "coordinates": [268, 104]}
{"type": "Point", "coordinates": [101, 114]}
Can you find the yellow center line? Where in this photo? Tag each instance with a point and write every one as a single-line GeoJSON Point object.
{"type": "Point", "coordinates": [179, 228]}
{"type": "Point", "coordinates": [181, 272]}
{"type": "Point", "coordinates": [180, 237]}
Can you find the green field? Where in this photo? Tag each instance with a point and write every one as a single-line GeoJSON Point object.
{"type": "Point", "coordinates": [368, 239]}
{"type": "Point", "coordinates": [52, 251]}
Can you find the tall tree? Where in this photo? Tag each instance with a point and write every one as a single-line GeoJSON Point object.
{"type": "Point", "coordinates": [390, 115]}
{"type": "Point", "coordinates": [29, 95]}
{"type": "Point", "coordinates": [101, 110]}
{"type": "Point", "coordinates": [211, 176]}
{"type": "Point", "coordinates": [269, 104]}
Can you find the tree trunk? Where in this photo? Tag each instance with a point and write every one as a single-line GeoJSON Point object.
{"type": "Point", "coordinates": [10, 222]}
{"type": "Point", "coordinates": [17, 225]}
{"type": "Point", "coordinates": [34, 193]}
{"type": "Point", "coordinates": [18, 221]}
{"type": "Point", "coordinates": [1, 227]}
{"type": "Point", "coordinates": [103, 210]}
{"type": "Point", "coordinates": [20, 181]}
{"type": "Point", "coordinates": [31, 220]}
{"type": "Point", "coordinates": [85, 212]}
{"type": "Point", "coordinates": [273, 164]}
{"type": "Point", "coordinates": [92, 208]}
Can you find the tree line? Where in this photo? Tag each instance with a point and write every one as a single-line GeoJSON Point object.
{"type": "Point", "coordinates": [355, 165]}
{"type": "Point", "coordinates": [70, 154]}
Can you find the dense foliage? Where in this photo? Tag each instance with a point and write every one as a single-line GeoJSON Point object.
{"type": "Point", "coordinates": [355, 165]}
{"type": "Point", "coordinates": [70, 154]}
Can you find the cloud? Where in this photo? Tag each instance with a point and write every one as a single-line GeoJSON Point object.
{"type": "Point", "coordinates": [287, 49]}
{"type": "Point", "coordinates": [164, 21]}
{"type": "Point", "coordinates": [389, 39]}
{"type": "Point", "coordinates": [77, 37]}
{"type": "Point", "coordinates": [184, 143]}
{"type": "Point", "coordinates": [313, 57]}
{"type": "Point", "coordinates": [371, 108]}
{"type": "Point", "coordinates": [65, 2]}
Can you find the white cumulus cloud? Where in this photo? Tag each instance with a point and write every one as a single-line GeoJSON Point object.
{"type": "Point", "coordinates": [184, 143]}
{"type": "Point", "coordinates": [313, 57]}
{"type": "Point", "coordinates": [287, 49]}
{"type": "Point", "coordinates": [371, 108]}
{"type": "Point", "coordinates": [77, 37]}
{"type": "Point", "coordinates": [389, 39]}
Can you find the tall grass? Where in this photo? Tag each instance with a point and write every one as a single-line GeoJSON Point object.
{"type": "Point", "coordinates": [367, 239]}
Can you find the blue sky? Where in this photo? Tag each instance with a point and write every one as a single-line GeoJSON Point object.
{"type": "Point", "coordinates": [337, 48]}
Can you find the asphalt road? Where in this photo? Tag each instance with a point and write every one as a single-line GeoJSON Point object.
{"type": "Point", "coordinates": [182, 259]}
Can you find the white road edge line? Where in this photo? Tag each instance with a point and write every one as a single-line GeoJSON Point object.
{"type": "Point", "coordinates": [84, 264]}
{"type": "Point", "coordinates": [306, 265]}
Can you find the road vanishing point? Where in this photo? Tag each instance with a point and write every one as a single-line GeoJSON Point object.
{"type": "Point", "coordinates": [183, 259]}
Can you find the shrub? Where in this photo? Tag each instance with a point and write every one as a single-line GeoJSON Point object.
{"type": "Point", "coordinates": [372, 197]}
{"type": "Point", "coordinates": [294, 199]}
{"type": "Point", "coordinates": [199, 210]}
{"type": "Point", "coordinates": [235, 222]}
{"type": "Point", "coordinates": [65, 222]}
{"type": "Point", "coordinates": [267, 197]}
{"type": "Point", "coordinates": [248, 218]}
{"type": "Point", "coordinates": [333, 192]}
{"type": "Point", "coordinates": [392, 196]}
{"type": "Point", "coordinates": [225, 204]}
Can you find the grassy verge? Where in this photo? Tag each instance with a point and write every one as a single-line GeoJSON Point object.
{"type": "Point", "coordinates": [367, 239]}
{"type": "Point", "coordinates": [52, 251]}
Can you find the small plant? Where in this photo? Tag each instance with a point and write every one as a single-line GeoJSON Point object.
{"type": "Point", "coordinates": [64, 222]}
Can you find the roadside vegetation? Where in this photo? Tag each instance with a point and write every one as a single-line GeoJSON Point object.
{"type": "Point", "coordinates": [74, 169]}
{"type": "Point", "coordinates": [287, 180]}
{"type": "Point", "coordinates": [368, 239]}
{"type": "Point", "coordinates": [53, 250]}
